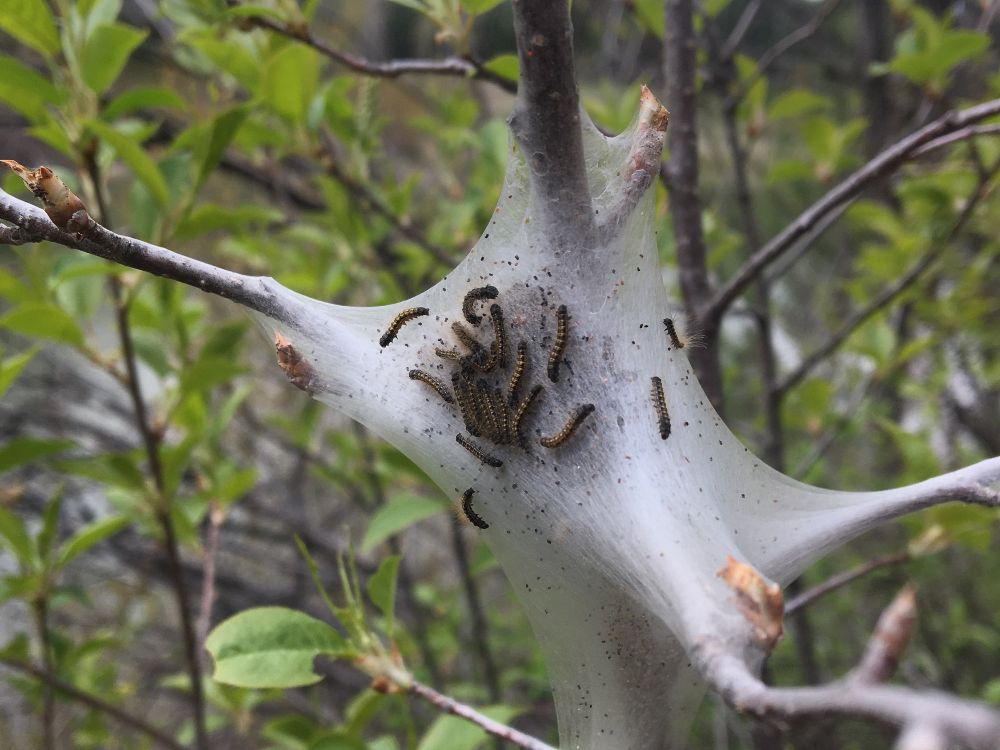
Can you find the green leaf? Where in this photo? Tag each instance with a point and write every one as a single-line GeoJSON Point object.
{"type": "Point", "coordinates": [14, 533]}
{"type": "Point", "coordinates": [50, 527]}
{"type": "Point", "coordinates": [25, 90]}
{"type": "Point", "coordinates": [224, 129]}
{"type": "Point", "coordinates": [334, 740]}
{"type": "Point", "coordinates": [88, 536]}
{"type": "Point", "coordinates": [11, 367]}
{"type": "Point", "coordinates": [396, 515]}
{"type": "Point", "coordinates": [796, 103]}
{"type": "Point", "coordinates": [145, 97]}
{"type": "Point", "coordinates": [31, 22]}
{"type": "Point", "coordinates": [290, 80]}
{"type": "Point", "coordinates": [43, 320]}
{"type": "Point", "coordinates": [136, 157]}
{"type": "Point", "coordinates": [271, 647]}
{"type": "Point", "coordinates": [24, 450]}
{"type": "Point", "coordinates": [382, 588]}
{"type": "Point", "coordinates": [478, 7]}
{"type": "Point", "coordinates": [507, 66]}
{"type": "Point", "coordinates": [254, 11]}
{"type": "Point", "coordinates": [452, 733]}
{"type": "Point", "coordinates": [104, 55]}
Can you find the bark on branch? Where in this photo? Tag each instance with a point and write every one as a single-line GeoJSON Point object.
{"type": "Point", "coordinates": [881, 165]}
{"type": "Point", "coordinates": [250, 291]}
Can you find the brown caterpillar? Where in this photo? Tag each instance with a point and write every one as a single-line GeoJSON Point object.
{"type": "Point", "coordinates": [499, 353]}
{"type": "Point", "coordinates": [478, 452]}
{"type": "Point", "coordinates": [453, 355]}
{"type": "Point", "coordinates": [672, 333]}
{"type": "Point", "coordinates": [515, 377]}
{"type": "Point", "coordinates": [463, 335]}
{"type": "Point", "coordinates": [522, 410]}
{"type": "Point", "coordinates": [475, 519]}
{"type": "Point", "coordinates": [488, 408]}
{"type": "Point", "coordinates": [660, 404]}
{"type": "Point", "coordinates": [433, 382]}
{"type": "Point", "coordinates": [466, 404]}
{"type": "Point", "coordinates": [503, 413]}
{"type": "Point", "coordinates": [474, 295]}
{"type": "Point", "coordinates": [399, 321]}
{"type": "Point", "coordinates": [559, 345]}
{"type": "Point", "coordinates": [569, 428]}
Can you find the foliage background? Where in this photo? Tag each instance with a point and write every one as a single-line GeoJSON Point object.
{"type": "Point", "coordinates": [188, 125]}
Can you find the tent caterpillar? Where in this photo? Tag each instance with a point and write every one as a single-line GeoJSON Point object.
{"type": "Point", "coordinates": [399, 321]}
{"type": "Point", "coordinates": [473, 296]}
{"type": "Point", "coordinates": [434, 383]}
{"type": "Point", "coordinates": [559, 345]}
{"type": "Point", "coordinates": [569, 428]}
{"type": "Point", "coordinates": [478, 452]}
{"type": "Point", "coordinates": [660, 404]}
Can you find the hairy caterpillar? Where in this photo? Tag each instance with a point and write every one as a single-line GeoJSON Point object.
{"type": "Point", "coordinates": [473, 517]}
{"type": "Point", "coordinates": [399, 321]}
{"type": "Point", "coordinates": [660, 404]}
{"type": "Point", "coordinates": [515, 377]}
{"type": "Point", "coordinates": [474, 295]}
{"type": "Point", "coordinates": [522, 410]}
{"type": "Point", "coordinates": [466, 404]}
{"type": "Point", "coordinates": [453, 355]}
{"type": "Point", "coordinates": [434, 383]}
{"type": "Point", "coordinates": [478, 452]}
{"type": "Point", "coordinates": [672, 333]}
{"type": "Point", "coordinates": [559, 345]}
{"type": "Point", "coordinates": [499, 353]}
{"type": "Point", "coordinates": [569, 428]}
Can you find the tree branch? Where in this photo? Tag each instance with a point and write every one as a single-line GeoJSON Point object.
{"type": "Point", "coordinates": [249, 291]}
{"type": "Point", "coordinates": [890, 293]}
{"type": "Point", "coordinates": [92, 701]}
{"type": "Point", "coordinates": [967, 723]}
{"type": "Point", "coordinates": [451, 706]}
{"type": "Point", "coordinates": [842, 579]}
{"type": "Point", "coordinates": [465, 67]}
{"type": "Point", "coordinates": [685, 203]}
{"type": "Point", "coordinates": [888, 160]}
{"type": "Point", "coordinates": [546, 116]}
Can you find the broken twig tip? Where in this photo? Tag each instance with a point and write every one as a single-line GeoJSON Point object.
{"type": "Point", "coordinates": [298, 371]}
{"type": "Point", "coordinates": [61, 204]}
{"type": "Point", "coordinates": [760, 602]}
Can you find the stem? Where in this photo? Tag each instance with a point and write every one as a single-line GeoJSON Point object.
{"type": "Point", "coordinates": [451, 706]}
{"type": "Point", "coordinates": [685, 203]}
{"type": "Point", "coordinates": [480, 628]}
{"type": "Point", "coordinates": [890, 159]}
{"type": "Point", "coordinates": [216, 516]}
{"type": "Point", "coordinates": [842, 579]}
{"type": "Point", "coordinates": [546, 116]}
{"type": "Point", "coordinates": [41, 610]}
{"type": "Point", "coordinates": [92, 701]}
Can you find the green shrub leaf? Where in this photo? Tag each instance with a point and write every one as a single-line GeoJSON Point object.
{"type": "Point", "coordinates": [396, 515]}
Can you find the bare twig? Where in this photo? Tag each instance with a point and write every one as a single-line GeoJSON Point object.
{"type": "Point", "coordinates": [889, 640]}
{"type": "Point", "coordinates": [249, 291]}
{"type": "Point", "coordinates": [973, 131]}
{"type": "Point", "coordinates": [464, 67]}
{"type": "Point", "coordinates": [781, 47]}
{"type": "Point", "coordinates": [890, 159]}
{"type": "Point", "coordinates": [41, 612]}
{"type": "Point", "coordinates": [740, 29]}
{"type": "Point", "coordinates": [546, 116]}
{"type": "Point", "coordinates": [685, 203]}
{"type": "Point", "coordinates": [451, 706]}
{"type": "Point", "coordinates": [890, 293]}
{"type": "Point", "coordinates": [92, 701]}
{"type": "Point", "coordinates": [963, 722]}
{"type": "Point", "coordinates": [842, 579]}
{"type": "Point", "coordinates": [216, 515]}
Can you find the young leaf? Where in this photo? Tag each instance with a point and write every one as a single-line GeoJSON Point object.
{"type": "Point", "coordinates": [106, 52]}
{"type": "Point", "coordinates": [145, 97]}
{"type": "Point", "coordinates": [136, 157]}
{"type": "Point", "coordinates": [24, 450]}
{"type": "Point", "coordinates": [15, 536]}
{"type": "Point", "coordinates": [50, 527]}
{"type": "Point", "coordinates": [396, 515]}
{"type": "Point", "coordinates": [452, 733]}
{"type": "Point", "coordinates": [271, 647]}
{"type": "Point", "coordinates": [24, 90]}
{"type": "Point", "coordinates": [44, 320]}
{"type": "Point", "coordinates": [382, 588]}
{"type": "Point", "coordinates": [31, 22]}
{"type": "Point", "coordinates": [88, 536]}
{"type": "Point", "coordinates": [11, 367]}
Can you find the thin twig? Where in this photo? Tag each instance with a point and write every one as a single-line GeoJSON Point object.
{"type": "Point", "coordinates": [41, 611]}
{"type": "Point", "coordinates": [464, 67]}
{"type": "Point", "coordinates": [890, 159]}
{"type": "Point", "coordinates": [451, 706]}
{"type": "Point", "coordinates": [216, 515]}
{"type": "Point", "coordinates": [249, 291]}
{"type": "Point", "coordinates": [781, 47]}
{"type": "Point", "coordinates": [93, 702]}
{"type": "Point", "coordinates": [973, 131]}
{"type": "Point", "coordinates": [740, 29]}
{"type": "Point", "coordinates": [840, 580]}
{"type": "Point", "coordinates": [890, 293]}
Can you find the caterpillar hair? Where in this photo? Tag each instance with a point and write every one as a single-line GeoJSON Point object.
{"type": "Point", "coordinates": [499, 353]}
{"type": "Point", "coordinates": [454, 355]}
{"type": "Point", "coordinates": [675, 340]}
{"type": "Point", "coordinates": [503, 412]}
{"type": "Point", "coordinates": [660, 404]}
{"type": "Point", "coordinates": [463, 334]}
{"type": "Point", "coordinates": [559, 345]}
{"type": "Point", "coordinates": [475, 519]}
{"type": "Point", "coordinates": [478, 452]}
{"type": "Point", "coordinates": [515, 377]}
{"type": "Point", "coordinates": [466, 404]}
{"type": "Point", "coordinates": [522, 410]}
{"type": "Point", "coordinates": [433, 382]}
{"type": "Point", "coordinates": [569, 428]}
{"type": "Point", "coordinates": [473, 296]}
{"type": "Point", "coordinates": [485, 401]}
{"type": "Point", "coordinates": [399, 321]}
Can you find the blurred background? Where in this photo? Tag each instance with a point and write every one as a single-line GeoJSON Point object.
{"type": "Point", "coordinates": [151, 454]}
